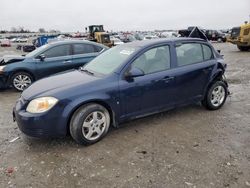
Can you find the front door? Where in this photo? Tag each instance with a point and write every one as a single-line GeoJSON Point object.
{"type": "Point", "coordinates": [57, 59]}
{"type": "Point", "coordinates": [153, 91]}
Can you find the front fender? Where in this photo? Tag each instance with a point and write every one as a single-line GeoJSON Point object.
{"type": "Point", "coordinates": [104, 99]}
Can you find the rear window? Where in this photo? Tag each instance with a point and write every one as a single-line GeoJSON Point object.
{"type": "Point", "coordinates": [85, 49]}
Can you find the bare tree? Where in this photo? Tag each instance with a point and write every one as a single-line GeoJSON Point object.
{"type": "Point", "coordinates": [13, 29]}
{"type": "Point", "coordinates": [41, 30]}
{"type": "Point", "coordinates": [20, 29]}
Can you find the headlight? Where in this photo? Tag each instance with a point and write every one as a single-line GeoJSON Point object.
{"type": "Point", "coordinates": [1, 69]}
{"type": "Point", "coordinates": [42, 104]}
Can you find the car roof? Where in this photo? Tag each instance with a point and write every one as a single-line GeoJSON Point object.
{"type": "Point", "coordinates": [145, 43]}
{"type": "Point", "coordinates": [53, 43]}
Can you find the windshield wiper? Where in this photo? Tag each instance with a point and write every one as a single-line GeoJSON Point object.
{"type": "Point", "coordinates": [87, 71]}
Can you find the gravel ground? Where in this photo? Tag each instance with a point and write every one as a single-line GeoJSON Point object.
{"type": "Point", "coordinates": [186, 147]}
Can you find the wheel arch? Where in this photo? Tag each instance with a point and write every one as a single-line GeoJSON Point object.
{"type": "Point", "coordinates": [96, 101]}
{"type": "Point", "coordinates": [217, 76]}
{"type": "Point", "coordinates": [22, 70]}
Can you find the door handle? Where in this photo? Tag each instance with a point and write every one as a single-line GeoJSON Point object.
{"type": "Point", "coordinates": [68, 61]}
{"type": "Point", "coordinates": [167, 79]}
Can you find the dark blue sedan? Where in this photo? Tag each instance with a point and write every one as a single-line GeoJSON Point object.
{"type": "Point", "coordinates": [20, 71]}
{"type": "Point", "coordinates": [126, 82]}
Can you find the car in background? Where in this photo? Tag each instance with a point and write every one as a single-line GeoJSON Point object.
{"type": "Point", "coordinates": [169, 34]}
{"type": "Point", "coordinates": [116, 41]}
{"type": "Point", "coordinates": [128, 81]}
{"type": "Point", "coordinates": [215, 35]}
{"type": "Point", "coordinates": [149, 37]}
{"type": "Point", "coordinates": [127, 37]}
{"type": "Point", "coordinates": [21, 71]}
{"type": "Point", "coordinates": [5, 43]}
{"type": "Point", "coordinates": [22, 39]}
{"type": "Point", "coordinates": [28, 48]}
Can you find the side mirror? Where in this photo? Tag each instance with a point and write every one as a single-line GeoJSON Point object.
{"type": "Point", "coordinates": [219, 51]}
{"type": "Point", "coordinates": [41, 57]}
{"type": "Point", "coordinates": [134, 72]}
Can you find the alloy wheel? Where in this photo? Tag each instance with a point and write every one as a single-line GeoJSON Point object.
{"type": "Point", "coordinates": [94, 125]}
{"type": "Point", "coordinates": [218, 96]}
{"type": "Point", "coordinates": [21, 81]}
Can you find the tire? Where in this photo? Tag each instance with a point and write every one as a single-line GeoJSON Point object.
{"type": "Point", "coordinates": [89, 124]}
{"type": "Point", "coordinates": [243, 48]}
{"type": "Point", "coordinates": [21, 80]}
{"type": "Point", "coordinates": [216, 96]}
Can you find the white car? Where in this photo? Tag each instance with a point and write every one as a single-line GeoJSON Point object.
{"type": "Point", "coordinates": [169, 34]}
{"type": "Point", "coordinates": [22, 39]}
{"type": "Point", "coordinates": [149, 37]}
{"type": "Point", "coordinates": [13, 40]}
{"type": "Point", "coordinates": [116, 41]}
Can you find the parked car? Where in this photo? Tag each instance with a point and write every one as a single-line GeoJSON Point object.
{"type": "Point", "coordinates": [5, 43]}
{"type": "Point", "coordinates": [28, 48]}
{"type": "Point", "coordinates": [22, 39]}
{"type": "Point", "coordinates": [116, 41]}
{"type": "Point", "coordinates": [126, 82]}
{"type": "Point", "coordinates": [21, 71]}
{"type": "Point", "coordinates": [169, 34]}
{"type": "Point", "coordinates": [215, 35]}
{"type": "Point", "coordinates": [149, 37]}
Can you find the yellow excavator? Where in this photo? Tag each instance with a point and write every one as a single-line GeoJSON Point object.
{"type": "Point", "coordinates": [97, 34]}
{"type": "Point", "coordinates": [241, 37]}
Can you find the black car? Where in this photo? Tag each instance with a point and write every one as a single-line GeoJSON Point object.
{"type": "Point", "coordinates": [215, 35]}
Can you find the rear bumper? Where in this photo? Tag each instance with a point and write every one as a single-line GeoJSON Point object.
{"type": "Point", "coordinates": [224, 79]}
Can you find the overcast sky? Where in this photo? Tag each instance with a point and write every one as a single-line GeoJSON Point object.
{"type": "Point", "coordinates": [75, 15]}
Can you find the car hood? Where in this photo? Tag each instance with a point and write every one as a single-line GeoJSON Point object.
{"type": "Point", "coordinates": [8, 59]}
{"type": "Point", "coordinates": [58, 83]}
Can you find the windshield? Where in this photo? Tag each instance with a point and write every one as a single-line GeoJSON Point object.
{"type": "Point", "coordinates": [37, 51]}
{"type": "Point", "coordinates": [110, 60]}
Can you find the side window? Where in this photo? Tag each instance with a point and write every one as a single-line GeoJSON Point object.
{"type": "Point", "coordinates": [189, 53]}
{"type": "Point", "coordinates": [58, 51]}
{"type": "Point", "coordinates": [154, 60]}
{"type": "Point", "coordinates": [84, 49]}
{"type": "Point", "coordinates": [208, 54]}
{"type": "Point", "coordinates": [98, 48]}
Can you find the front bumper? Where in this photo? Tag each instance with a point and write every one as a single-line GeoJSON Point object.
{"type": "Point", "coordinates": [44, 125]}
{"type": "Point", "coordinates": [3, 81]}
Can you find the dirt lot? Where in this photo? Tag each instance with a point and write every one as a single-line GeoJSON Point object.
{"type": "Point", "coordinates": [186, 147]}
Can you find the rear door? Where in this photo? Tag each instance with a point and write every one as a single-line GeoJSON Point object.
{"type": "Point", "coordinates": [195, 62]}
{"type": "Point", "coordinates": [83, 53]}
{"type": "Point", "coordinates": [57, 59]}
